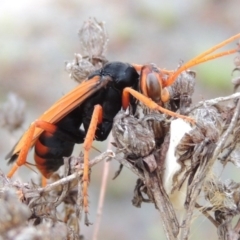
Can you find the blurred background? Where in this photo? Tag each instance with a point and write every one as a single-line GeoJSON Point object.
{"type": "Point", "coordinates": [37, 37]}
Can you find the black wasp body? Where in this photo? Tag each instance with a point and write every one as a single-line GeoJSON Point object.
{"type": "Point", "coordinates": [53, 147]}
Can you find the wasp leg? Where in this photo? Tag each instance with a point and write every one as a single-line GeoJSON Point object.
{"type": "Point", "coordinates": [21, 160]}
{"type": "Point", "coordinates": [95, 120]}
{"type": "Point", "coordinates": [150, 103]}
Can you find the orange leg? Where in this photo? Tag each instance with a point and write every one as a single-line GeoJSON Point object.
{"type": "Point", "coordinates": [204, 57]}
{"type": "Point", "coordinates": [149, 103]}
{"type": "Point", "coordinates": [44, 181]}
{"type": "Point", "coordinates": [49, 127]}
{"type": "Point", "coordinates": [96, 119]}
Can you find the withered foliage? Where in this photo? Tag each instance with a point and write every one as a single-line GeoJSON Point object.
{"type": "Point", "coordinates": [12, 112]}
{"type": "Point", "coordinates": [213, 139]}
{"type": "Point", "coordinates": [236, 79]}
{"type": "Point", "coordinates": [54, 211]}
{"type": "Point", "coordinates": [144, 143]}
{"type": "Point", "coordinates": [93, 42]}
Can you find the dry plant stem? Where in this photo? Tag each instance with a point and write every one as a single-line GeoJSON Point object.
{"type": "Point", "coordinates": [197, 183]}
{"type": "Point", "coordinates": [121, 159]}
{"type": "Point", "coordinates": [167, 214]}
{"type": "Point", "coordinates": [226, 232]}
{"type": "Point", "coordinates": [191, 206]}
{"type": "Point", "coordinates": [102, 194]}
{"type": "Point", "coordinates": [215, 101]}
{"type": "Point", "coordinates": [207, 215]}
{"type": "Point", "coordinates": [170, 224]}
{"type": "Point", "coordinates": [65, 188]}
{"type": "Point", "coordinates": [101, 200]}
{"type": "Point", "coordinates": [195, 189]}
{"type": "Point", "coordinates": [104, 156]}
{"type": "Point", "coordinates": [226, 135]}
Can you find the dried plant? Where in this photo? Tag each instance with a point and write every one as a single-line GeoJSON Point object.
{"type": "Point", "coordinates": [12, 112]}
{"type": "Point", "coordinates": [54, 210]}
{"type": "Point", "coordinates": [93, 42]}
{"type": "Point", "coordinates": [184, 160]}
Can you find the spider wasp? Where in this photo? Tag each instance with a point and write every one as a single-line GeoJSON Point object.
{"type": "Point", "coordinates": [94, 104]}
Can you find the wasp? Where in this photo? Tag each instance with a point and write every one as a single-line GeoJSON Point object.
{"type": "Point", "coordinates": [93, 104]}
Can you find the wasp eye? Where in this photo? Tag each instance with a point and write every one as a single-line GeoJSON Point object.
{"type": "Point", "coordinates": [154, 88]}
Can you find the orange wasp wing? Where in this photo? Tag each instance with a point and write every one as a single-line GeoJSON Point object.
{"type": "Point", "coordinates": [61, 108]}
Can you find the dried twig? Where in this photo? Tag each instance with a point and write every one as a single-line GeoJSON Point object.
{"type": "Point", "coordinates": [102, 194]}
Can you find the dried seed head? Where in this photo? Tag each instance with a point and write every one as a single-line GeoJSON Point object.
{"type": "Point", "coordinates": [236, 80]}
{"type": "Point", "coordinates": [93, 38]}
{"type": "Point", "coordinates": [223, 196]}
{"type": "Point", "coordinates": [237, 61]}
{"type": "Point", "coordinates": [181, 91]}
{"type": "Point", "coordinates": [12, 112]}
{"type": "Point", "coordinates": [13, 212]}
{"type": "Point", "coordinates": [184, 85]}
{"type": "Point", "coordinates": [207, 130]}
{"type": "Point", "coordinates": [132, 135]}
{"type": "Point", "coordinates": [79, 69]}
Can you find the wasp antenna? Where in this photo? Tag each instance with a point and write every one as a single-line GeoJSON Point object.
{"type": "Point", "coordinates": [213, 49]}
{"type": "Point", "coordinates": [204, 57]}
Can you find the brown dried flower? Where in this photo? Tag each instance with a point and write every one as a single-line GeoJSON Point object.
{"type": "Point", "coordinates": [93, 43]}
